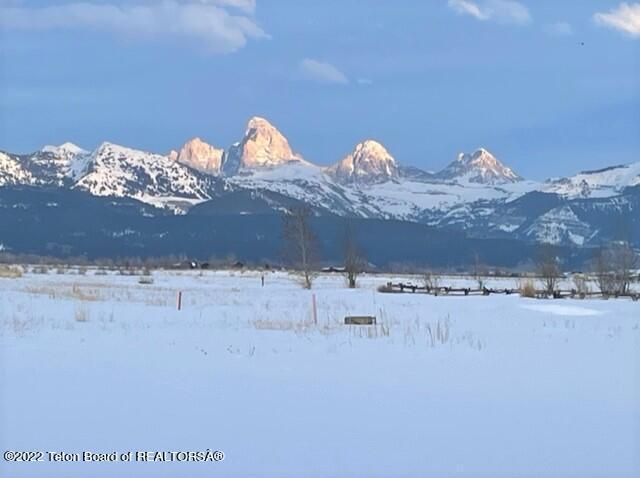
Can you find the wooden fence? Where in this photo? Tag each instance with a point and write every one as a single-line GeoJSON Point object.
{"type": "Point", "coordinates": [408, 288]}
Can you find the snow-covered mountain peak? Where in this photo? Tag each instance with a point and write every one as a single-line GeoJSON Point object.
{"type": "Point", "coordinates": [373, 149]}
{"type": "Point", "coordinates": [107, 147]}
{"type": "Point", "coordinates": [113, 151]}
{"type": "Point", "coordinates": [479, 167]}
{"type": "Point", "coordinates": [258, 122]}
{"type": "Point", "coordinates": [481, 158]}
{"type": "Point", "coordinates": [56, 165]}
{"type": "Point", "coordinates": [484, 153]}
{"type": "Point", "coordinates": [199, 155]}
{"type": "Point", "coordinates": [262, 146]}
{"type": "Point", "coordinates": [65, 148]}
{"type": "Point", "coordinates": [370, 162]}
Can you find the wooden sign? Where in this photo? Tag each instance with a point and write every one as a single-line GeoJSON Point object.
{"type": "Point", "coordinates": [360, 320]}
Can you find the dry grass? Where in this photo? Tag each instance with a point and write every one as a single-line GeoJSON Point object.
{"type": "Point", "coordinates": [283, 325]}
{"type": "Point", "coordinates": [81, 315]}
{"type": "Point", "coordinates": [411, 333]}
{"type": "Point", "coordinates": [19, 326]}
{"type": "Point", "coordinates": [439, 333]}
{"type": "Point", "coordinates": [527, 288]}
{"type": "Point", "coordinates": [21, 322]}
{"type": "Point", "coordinates": [101, 292]}
{"type": "Point", "coordinates": [85, 293]}
{"type": "Point", "coordinates": [308, 327]}
{"type": "Point", "coordinates": [10, 272]}
{"type": "Point", "coordinates": [369, 331]}
{"type": "Point", "coordinates": [75, 291]}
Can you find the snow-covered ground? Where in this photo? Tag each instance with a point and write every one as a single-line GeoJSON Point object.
{"type": "Point", "coordinates": [497, 386]}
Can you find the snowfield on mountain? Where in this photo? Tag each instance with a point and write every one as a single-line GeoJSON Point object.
{"type": "Point", "coordinates": [441, 386]}
{"type": "Point", "coordinates": [603, 183]}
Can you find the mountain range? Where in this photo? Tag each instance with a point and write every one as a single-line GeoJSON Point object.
{"type": "Point", "coordinates": [476, 194]}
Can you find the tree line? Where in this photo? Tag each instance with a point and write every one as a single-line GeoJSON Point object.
{"type": "Point", "coordinates": [614, 267]}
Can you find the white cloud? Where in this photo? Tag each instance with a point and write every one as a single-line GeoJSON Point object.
{"type": "Point", "coordinates": [625, 18]}
{"type": "Point", "coordinates": [207, 22]}
{"type": "Point", "coordinates": [502, 11]}
{"type": "Point", "coordinates": [559, 29]}
{"type": "Point", "coordinates": [248, 6]}
{"type": "Point", "coordinates": [464, 7]}
{"type": "Point", "coordinates": [322, 72]}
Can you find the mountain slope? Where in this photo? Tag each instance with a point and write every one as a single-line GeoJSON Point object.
{"type": "Point", "coordinates": [51, 166]}
{"type": "Point", "coordinates": [601, 183]}
{"type": "Point", "coordinates": [75, 223]}
{"type": "Point", "coordinates": [13, 171]}
{"type": "Point", "coordinates": [124, 172]}
{"type": "Point", "coordinates": [303, 182]}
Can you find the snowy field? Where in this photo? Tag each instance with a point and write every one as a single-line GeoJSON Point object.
{"type": "Point", "coordinates": [497, 386]}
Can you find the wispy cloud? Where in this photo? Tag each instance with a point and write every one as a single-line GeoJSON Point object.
{"type": "Point", "coordinates": [248, 6]}
{"type": "Point", "coordinates": [322, 72]}
{"type": "Point", "coordinates": [465, 7]}
{"type": "Point", "coordinates": [211, 23]}
{"type": "Point", "coordinates": [625, 18]}
{"type": "Point", "coordinates": [502, 11]}
{"type": "Point", "coordinates": [559, 29]}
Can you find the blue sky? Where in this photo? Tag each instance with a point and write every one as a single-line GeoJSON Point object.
{"type": "Point", "coordinates": [550, 87]}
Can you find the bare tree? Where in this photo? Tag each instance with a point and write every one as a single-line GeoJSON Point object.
{"type": "Point", "coordinates": [301, 247]}
{"type": "Point", "coordinates": [581, 284]}
{"type": "Point", "coordinates": [354, 260]}
{"type": "Point", "coordinates": [431, 281]}
{"type": "Point", "coordinates": [549, 269]}
{"type": "Point", "coordinates": [479, 270]}
{"type": "Point", "coordinates": [615, 265]}
{"type": "Point", "coordinates": [604, 274]}
{"type": "Point", "coordinates": [625, 262]}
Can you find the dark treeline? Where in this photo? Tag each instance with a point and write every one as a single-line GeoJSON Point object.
{"type": "Point", "coordinates": [73, 227]}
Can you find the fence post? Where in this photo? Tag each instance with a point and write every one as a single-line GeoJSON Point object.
{"type": "Point", "coordinates": [314, 309]}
